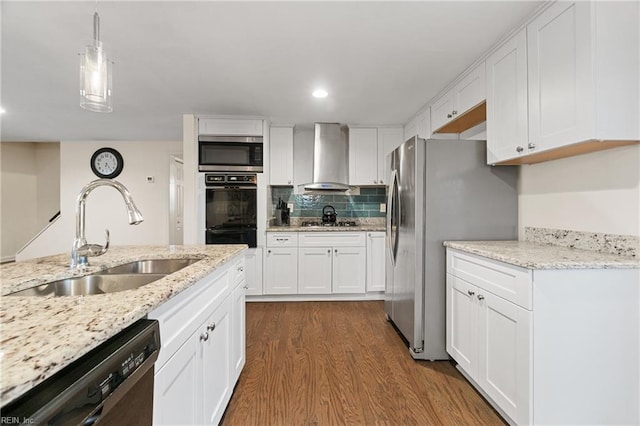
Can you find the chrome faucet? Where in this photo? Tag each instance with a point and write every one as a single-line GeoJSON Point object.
{"type": "Point", "coordinates": [81, 250]}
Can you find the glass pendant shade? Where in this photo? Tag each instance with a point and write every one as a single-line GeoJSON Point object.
{"type": "Point", "coordinates": [95, 76]}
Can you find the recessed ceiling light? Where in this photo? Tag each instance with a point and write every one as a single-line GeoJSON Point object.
{"type": "Point", "coordinates": [319, 93]}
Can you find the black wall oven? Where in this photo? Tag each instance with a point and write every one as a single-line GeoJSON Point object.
{"type": "Point", "coordinates": [230, 154]}
{"type": "Point", "coordinates": [231, 208]}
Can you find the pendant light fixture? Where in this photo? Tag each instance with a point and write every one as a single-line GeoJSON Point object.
{"type": "Point", "coordinates": [95, 74]}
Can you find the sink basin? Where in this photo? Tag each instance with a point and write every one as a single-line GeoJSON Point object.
{"type": "Point", "coordinates": [154, 266]}
{"type": "Point", "coordinates": [90, 284]}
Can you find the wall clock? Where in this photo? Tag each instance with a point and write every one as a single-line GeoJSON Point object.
{"type": "Point", "coordinates": [107, 163]}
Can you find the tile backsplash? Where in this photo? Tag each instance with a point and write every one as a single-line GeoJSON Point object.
{"type": "Point", "coordinates": [366, 204]}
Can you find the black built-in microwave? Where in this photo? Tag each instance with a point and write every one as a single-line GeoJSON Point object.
{"type": "Point", "coordinates": [230, 154]}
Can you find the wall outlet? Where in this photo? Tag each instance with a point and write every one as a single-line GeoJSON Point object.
{"type": "Point", "coordinates": [151, 179]}
{"type": "Point", "coordinates": [383, 207]}
{"type": "Point", "coordinates": [290, 207]}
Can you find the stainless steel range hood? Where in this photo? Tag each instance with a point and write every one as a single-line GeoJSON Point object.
{"type": "Point", "coordinates": [330, 158]}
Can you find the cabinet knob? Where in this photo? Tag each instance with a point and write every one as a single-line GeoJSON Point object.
{"type": "Point", "coordinates": [381, 181]}
{"type": "Point", "coordinates": [240, 269]}
{"type": "Point", "coordinates": [454, 112]}
{"type": "Point", "coordinates": [480, 297]}
{"type": "Point", "coordinates": [449, 115]}
{"type": "Point", "coordinates": [375, 181]}
{"type": "Point", "coordinates": [211, 326]}
{"type": "Point", "coordinates": [246, 287]}
{"type": "Point", "coordinates": [336, 251]}
{"type": "Point", "coordinates": [289, 181]}
{"type": "Point", "coordinates": [268, 251]}
{"type": "Point", "coordinates": [531, 145]}
{"type": "Point", "coordinates": [329, 251]}
{"type": "Point", "coordinates": [519, 149]}
{"type": "Point", "coordinates": [204, 336]}
{"type": "Point", "coordinates": [471, 293]}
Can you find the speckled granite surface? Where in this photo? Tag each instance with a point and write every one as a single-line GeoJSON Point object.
{"type": "Point", "coordinates": [543, 256]}
{"type": "Point", "coordinates": [624, 245]}
{"type": "Point", "coordinates": [41, 335]}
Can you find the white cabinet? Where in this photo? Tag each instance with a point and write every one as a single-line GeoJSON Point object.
{"type": "Point", "coordinates": [349, 269]}
{"type": "Point", "coordinates": [368, 148]}
{"type": "Point", "coordinates": [202, 334]}
{"type": "Point", "coordinates": [583, 67]}
{"type": "Point", "coordinates": [363, 156]}
{"type": "Point", "coordinates": [229, 126]}
{"type": "Point", "coordinates": [489, 336]}
{"type": "Point", "coordinates": [253, 271]}
{"type": "Point", "coordinates": [512, 348]}
{"type": "Point", "coordinates": [423, 124]}
{"type": "Point", "coordinates": [314, 270]}
{"type": "Point", "coordinates": [507, 128]}
{"type": "Point", "coordinates": [376, 252]}
{"type": "Point", "coordinates": [281, 156]}
{"type": "Point", "coordinates": [281, 263]}
{"type": "Point", "coordinates": [465, 96]}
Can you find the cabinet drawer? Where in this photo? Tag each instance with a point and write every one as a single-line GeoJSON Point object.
{"type": "Point", "coordinates": [510, 282]}
{"type": "Point", "coordinates": [282, 239]}
{"type": "Point", "coordinates": [332, 239]}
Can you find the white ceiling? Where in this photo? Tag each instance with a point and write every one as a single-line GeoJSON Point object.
{"type": "Point", "coordinates": [380, 61]}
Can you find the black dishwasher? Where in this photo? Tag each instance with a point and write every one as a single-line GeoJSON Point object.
{"type": "Point", "coordinates": [111, 385]}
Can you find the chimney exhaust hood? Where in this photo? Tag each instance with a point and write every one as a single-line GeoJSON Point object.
{"type": "Point", "coordinates": [330, 158]}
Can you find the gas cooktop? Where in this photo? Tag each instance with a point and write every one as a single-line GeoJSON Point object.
{"type": "Point", "coordinates": [345, 223]}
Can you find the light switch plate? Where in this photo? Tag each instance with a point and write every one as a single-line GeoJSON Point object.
{"type": "Point", "coordinates": [290, 207]}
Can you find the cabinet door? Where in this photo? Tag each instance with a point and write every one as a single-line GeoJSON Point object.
{"type": "Point", "coordinates": [470, 91]}
{"type": "Point", "coordinates": [314, 270]}
{"type": "Point", "coordinates": [375, 261]}
{"type": "Point", "coordinates": [389, 138]}
{"type": "Point", "coordinates": [215, 342]}
{"type": "Point", "coordinates": [423, 124]}
{"type": "Point", "coordinates": [441, 111]}
{"type": "Point", "coordinates": [504, 354]}
{"type": "Point", "coordinates": [462, 325]}
{"type": "Point", "coordinates": [281, 156]}
{"type": "Point", "coordinates": [507, 130]}
{"type": "Point", "coordinates": [349, 269]}
{"type": "Point", "coordinates": [229, 126]}
{"type": "Point", "coordinates": [253, 270]}
{"type": "Point", "coordinates": [363, 156]}
{"type": "Point", "coordinates": [559, 67]}
{"type": "Point", "coordinates": [238, 332]}
{"type": "Point", "coordinates": [176, 387]}
{"type": "Point", "coordinates": [281, 271]}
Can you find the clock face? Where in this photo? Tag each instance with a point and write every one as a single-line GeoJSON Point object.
{"type": "Point", "coordinates": [107, 163]}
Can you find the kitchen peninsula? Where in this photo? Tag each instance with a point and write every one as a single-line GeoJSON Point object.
{"type": "Point", "coordinates": [42, 335]}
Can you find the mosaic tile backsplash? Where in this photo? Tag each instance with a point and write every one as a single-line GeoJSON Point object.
{"type": "Point", "coordinates": [367, 204]}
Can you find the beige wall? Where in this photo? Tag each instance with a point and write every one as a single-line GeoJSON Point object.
{"type": "Point", "coordinates": [105, 208]}
{"type": "Point", "coordinates": [597, 192]}
{"type": "Point", "coordinates": [47, 182]}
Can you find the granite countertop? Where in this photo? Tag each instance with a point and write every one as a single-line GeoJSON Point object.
{"type": "Point", "coordinates": [359, 228]}
{"type": "Point", "coordinates": [42, 335]}
{"type": "Point", "coordinates": [533, 255]}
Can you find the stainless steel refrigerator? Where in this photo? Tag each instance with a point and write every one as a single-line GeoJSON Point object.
{"type": "Point", "coordinates": [439, 190]}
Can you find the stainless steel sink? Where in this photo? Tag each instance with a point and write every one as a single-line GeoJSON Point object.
{"type": "Point", "coordinates": [154, 266]}
{"type": "Point", "coordinates": [91, 284]}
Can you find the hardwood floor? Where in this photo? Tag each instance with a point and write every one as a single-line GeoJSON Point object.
{"type": "Point", "coordinates": [342, 363]}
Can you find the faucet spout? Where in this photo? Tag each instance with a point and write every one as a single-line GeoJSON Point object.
{"type": "Point", "coordinates": [81, 250]}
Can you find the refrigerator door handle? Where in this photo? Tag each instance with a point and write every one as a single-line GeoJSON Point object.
{"type": "Point", "coordinates": [392, 220]}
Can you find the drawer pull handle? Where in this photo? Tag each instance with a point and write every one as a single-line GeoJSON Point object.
{"type": "Point", "coordinates": [471, 293]}
{"type": "Point", "coordinates": [480, 297]}
{"type": "Point", "coordinates": [204, 336]}
{"type": "Point", "coordinates": [211, 326]}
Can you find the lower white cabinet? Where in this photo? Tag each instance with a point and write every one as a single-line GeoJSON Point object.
{"type": "Point", "coordinates": [376, 252]}
{"type": "Point", "coordinates": [281, 270]}
{"type": "Point", "coordinates": [314, 270]}
{"type": "Point", "coordinates": [569, 358]}
{"type": "Point", "coordinates": [253, 271]}
{"type": "Point", "coordinates": [202, 332]}
{"type": "Point", "coordinates": [349, 270]}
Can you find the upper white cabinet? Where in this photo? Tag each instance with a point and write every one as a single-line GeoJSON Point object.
{"type": "Point", "coordinates": [368, 149]}
{"type": "Point", "coordinates": [583, 66]}
{"type": "Point", "coordinates": [507, 130]}
{"type": "Point", "coordinates": [363, 156]}
{"type": "Point", "coordinates": [229, 126]}
{"type": "Point", "coordinates": [423, 124]}
{"type": "Point", "coordinates": [281, 156]}
{"type": "Point", "coordinates": [463, 106]}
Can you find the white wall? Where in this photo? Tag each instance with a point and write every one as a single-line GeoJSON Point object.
{"type": "Point", "coordinates": [597, 192]}
{"type": "Point", "coordinates": [105, 207]}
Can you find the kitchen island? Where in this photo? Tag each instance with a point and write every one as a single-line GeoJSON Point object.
{"type": "Point", "coordinates": [42, 335]}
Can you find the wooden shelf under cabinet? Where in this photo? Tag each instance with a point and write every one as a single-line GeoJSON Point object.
{"type": "Point", "coordinates": [566, 151]}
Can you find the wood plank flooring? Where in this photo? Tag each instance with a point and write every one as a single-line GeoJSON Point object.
{"type": "Point", "coordinates": [342, 363]}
